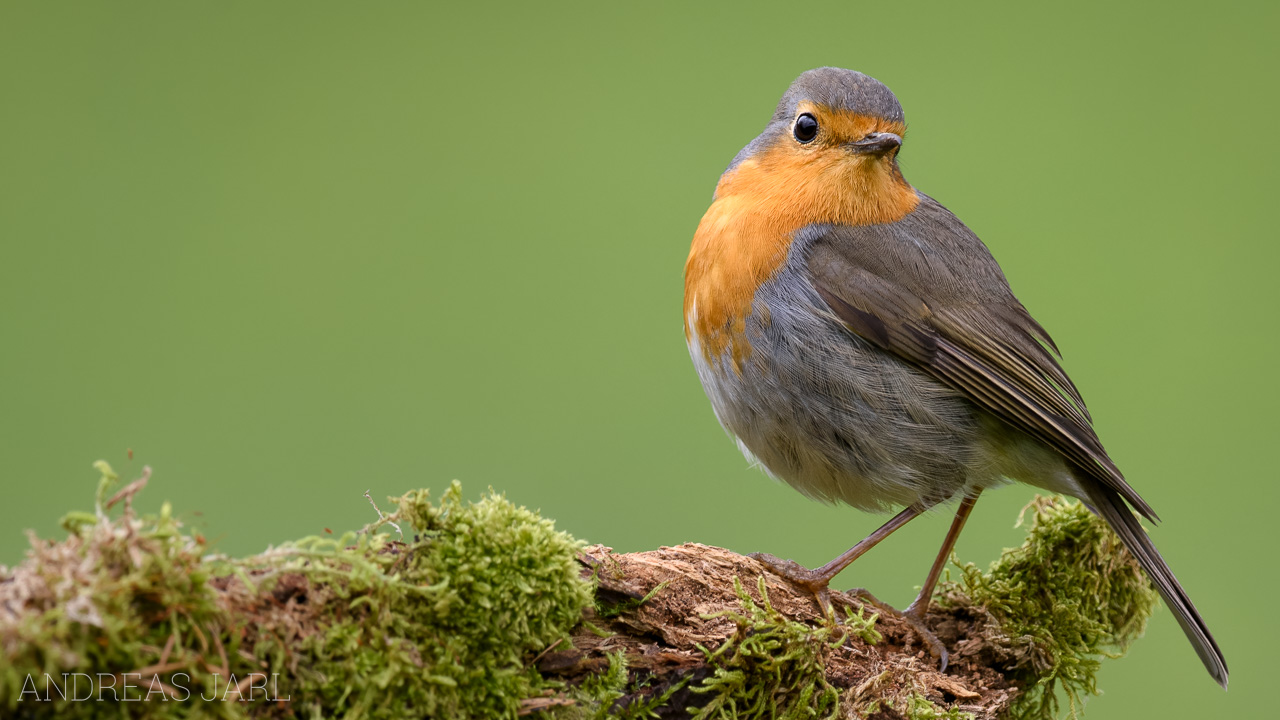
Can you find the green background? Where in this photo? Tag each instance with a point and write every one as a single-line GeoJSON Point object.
{"type": "Point", "coordinates": [290, 252]}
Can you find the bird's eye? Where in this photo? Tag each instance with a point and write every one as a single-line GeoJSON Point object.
{"type": "Point", "coordinates": [806, 128]}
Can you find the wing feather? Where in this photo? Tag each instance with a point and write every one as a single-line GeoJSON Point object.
{"type": "Point", "coordinates": [970, 333]}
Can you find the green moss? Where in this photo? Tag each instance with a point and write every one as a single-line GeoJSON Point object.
{"type": "Point", "coordinates": [108, 599]}
{"type": "Point", "coordinates": [772, 667]}
{"type": "Point", "coordinates": [448, 622]}
{"type": "Point", "coordinates": [1069, 597]}
{"type": "Point", "coordinates": [918, 707]}
{"type": "Point", "coordinates": [601, 697]}
{"type": "Point", "coordinates": [861, 625]}
{"type": "Point", "coordinates": [626, 606]}
{"type": "Point", "coordinates": [595, 697]}
{"type": "Point", "coordinates": [357, 626]}
{"type": "Point", "coordinates": [495, 583]}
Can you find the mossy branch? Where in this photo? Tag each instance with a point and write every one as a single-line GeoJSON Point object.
{"type": "Point", "coordinates": [485, 610]}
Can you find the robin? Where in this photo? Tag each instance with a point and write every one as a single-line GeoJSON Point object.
{"type": "Point", "coordinates": [862, 344]}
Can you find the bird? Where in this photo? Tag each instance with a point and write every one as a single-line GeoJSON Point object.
{"type": "Point", "coordinates": [863, 345]}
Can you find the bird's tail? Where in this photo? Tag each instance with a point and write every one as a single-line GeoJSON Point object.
{"type": "Point", "coordinates": [1108, 504]}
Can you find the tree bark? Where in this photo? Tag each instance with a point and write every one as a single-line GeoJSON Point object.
{"type": "Point", "coordinates": [667, 638]}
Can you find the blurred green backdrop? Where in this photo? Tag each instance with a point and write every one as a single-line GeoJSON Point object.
{"type": "Point", "coordinates": [288, 252]}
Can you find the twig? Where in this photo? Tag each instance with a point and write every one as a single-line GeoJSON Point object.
{"type": "Point", "coordinates": [542, 654]}
{"type": "Point", "coordinates": [127, 492]}
{"type": "Point", "coordinates": [383, 517]}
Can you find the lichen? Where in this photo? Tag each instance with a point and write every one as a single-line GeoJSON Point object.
{"type": "Point", "coordinates": [1068, 597]}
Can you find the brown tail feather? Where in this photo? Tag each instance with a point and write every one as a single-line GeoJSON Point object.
{"type": "Point", "coordinates": [1108, 504]}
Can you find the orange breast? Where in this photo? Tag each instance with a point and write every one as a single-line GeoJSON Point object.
{"type": "Point", "coordinates": [744, 237]}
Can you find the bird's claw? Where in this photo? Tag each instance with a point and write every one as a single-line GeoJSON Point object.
{"type": "Point", "coordinates": [936, 648]}
{"type": "Point", "coordinates": [914, 617]}
{"type": "Point", "coordinates": [817, 583]}
{"type": "Point", "coordinates": [797, 574]}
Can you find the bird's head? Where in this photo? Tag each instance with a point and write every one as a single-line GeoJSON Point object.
{"type": "Point", "coordinates": [832, 146]}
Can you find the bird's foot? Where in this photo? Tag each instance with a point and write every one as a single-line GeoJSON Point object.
{"type": "Point", "coordinates": [797, 574]}
{"type": "Point", "coordinates": [914, 616]}
{"type": "Point", "coordinates": [817, 581]}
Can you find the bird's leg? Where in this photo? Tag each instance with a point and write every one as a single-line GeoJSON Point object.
{"type": "Point", "coordinates": [816, 581]}
{"type": "Point", "coordinates": [920, 605]}
{"type": "Point", "coordinates": [915, 612]}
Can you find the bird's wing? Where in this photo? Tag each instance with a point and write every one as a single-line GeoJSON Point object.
{"type": "Point", "coordinates": [928, 290]}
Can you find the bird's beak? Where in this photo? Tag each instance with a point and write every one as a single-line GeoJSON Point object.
{"type": "Point", "coordinates": [876, 143]}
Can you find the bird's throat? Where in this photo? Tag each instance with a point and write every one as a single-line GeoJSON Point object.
{"type": "Point", "coordinates": [745, 235]}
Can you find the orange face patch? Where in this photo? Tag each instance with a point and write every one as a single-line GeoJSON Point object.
{"type": "Point", "coordinates": [744, 236]}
